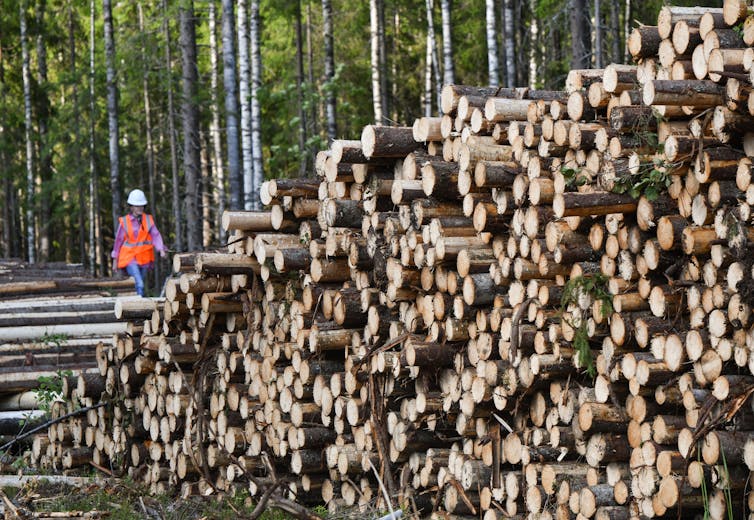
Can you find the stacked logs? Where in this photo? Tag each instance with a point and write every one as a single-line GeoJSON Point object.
{"type": "Point", "coordinates": [52, 317]}
{"type": "Point", "coordinates": [526, 307]}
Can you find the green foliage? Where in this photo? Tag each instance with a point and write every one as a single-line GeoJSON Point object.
{"type": "Point", "coordinates": [594, 288]}
{"type": "Point", "coordinates": [128, 500]}
{"type": "Point", "coordinates": [650, 181]}
{"type": "Point", "coordinates": [50, 389]}
{"type": "Point", "coordinates": [573, 177]}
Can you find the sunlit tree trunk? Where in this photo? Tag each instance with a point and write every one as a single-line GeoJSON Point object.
{"type": "Point", "coordinates": [218, 181]}
{"type": "Point", "coordinates": [244, 79]}
{"type": "Point", "coordinates": [510, 45]}
{"type": "Point", "coordinates": [45, 156]}
{"type": "Point", "coordinates": [112, 111]}
{"type": "Point", "coordinates": [432, 43]}
{"type": "Point", "coordinates": [190, 117]}
{"type": "Point", "coordinates": [449, 75]}
{"type": "Point", "coordinates": [177, 203]}
{"type": "Point", "coordinates": [327, 30]}
{"type": "Point", "coordinates": [26, 74]}
{"type": "Point", "coordinates": [428, 92]}
{"type": "Point", "coordinates": [302, 133]}
{"type": "Point", "coordinates": [256, 109]}
{"type": "Point", "coordinates": [492, 65]}
{"type": "Point", "coordinates": [375, 29]}
{"type": "Point", "coordinates": [533, 39]}
{"type": "Point", "coordinates": [231, 106]}
{"type": "Point", "coordinates": [206, 169]}
{"type": "Point", "coordinates": [628, 13]}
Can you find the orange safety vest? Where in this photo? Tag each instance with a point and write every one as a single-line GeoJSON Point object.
{"type": "Point", "coordinates": [136, 246]}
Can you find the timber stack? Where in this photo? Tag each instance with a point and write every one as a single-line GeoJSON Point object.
{"type": "Point", "coordinates": [52, 317]}
{"type": "Point", "coordinates": [537, 305]}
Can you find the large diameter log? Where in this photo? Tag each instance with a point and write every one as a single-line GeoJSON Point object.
{"type": "Point", "coordinates": [344, 213]}
{"type": "Point", "coordinates": [226, 263]}
{"type": "Point", "coordinates": [247, 220]}
{"type": "Point", "coordinates": [61, 286]}
{"type": "Point", "coordinates": [696, 93]}
{"type": "Point", "coordinates": [333, 270]}
{"type": "Point", "coordinates": [15, 422]}
{"type": "Point", "coordinates": [594, 203]}
{"type": "Point", "coordinates": [32, 333]}
{"type": "Point", "coordinates": [644, 42]}
{"type": "Point", "coordinates": [387, 141]}
{"type": "Point", "coordinates": [21, 401]}
{"type": "Point", "coordinates": [18, 319]}
{"type": "Point", "coordinates": [134, 308]}
{"type": "Point", "coordinates": [451, 95]}
{"type": "Point", "coordinates": [503, 109]}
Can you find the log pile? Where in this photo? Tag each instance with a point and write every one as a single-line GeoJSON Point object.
{"type": "Point", "coordinates": [536, 305]}
{"type": "Point", "coordinates": [52, 317]}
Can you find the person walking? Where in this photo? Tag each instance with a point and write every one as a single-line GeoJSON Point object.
{"type": "Point", "coordinates": [135, 241]}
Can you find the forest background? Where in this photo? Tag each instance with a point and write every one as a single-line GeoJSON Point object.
{"type": "Point", "coordinates": [197, 101]}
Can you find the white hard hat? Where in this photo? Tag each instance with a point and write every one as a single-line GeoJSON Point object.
{"type": "Point", "coordinates": [137, 198]}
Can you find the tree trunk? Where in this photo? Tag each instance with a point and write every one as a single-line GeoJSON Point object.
{"type": "Point", "coordinates": [374, 32]}
{"type": "Point", "coordinates": [190, 116]}
{"type": "Point", "coordinates": [617, 36]}
{"type": "Point", "coordinates": [428, 63]}
{"type": "Point", "coordinates": [626, 29]}
{"type": "Point", "coordinates": [256, 110]}
{"type": "Point", "coordinates": [148, 130]}
{"type": "Point", "coordinates": [231, 106]}
{"type": "Point", "coordinates": [31, 250]}
{"type": "Point", "coordinates": [302, 133]}
{"type": "Point", "coordinates": [206, 204]}
{"type": "Point", "coordinates": [327, 29]}
{"type": "Point", "coordinates": [492, 64]}
{"type": "Point", "coordinates": [96, 241]}
{"type": "Point", "coordinates": [178, 219]}
{"type": "Point", "coordinates": [218, 186]}
{"type": "Point", "coordinates": [580, 35]}
{"type": "Point", "coordinates": [533, 41]}
{"type": "Point", "coordinates": [598, 37]}
{"type": "Point", "coordinates": [509, 45]}
{"type": "Point", "coordinates": [243, 92]}
{"type": "Point", "coordinates": [6, 240]}
{"type": "Point", "coordinates": [434, 61]}
{"type": "Point", "coordinates": [81, 197]}
{"type": "Point", "coordinates": [449, 76]}
{"type": "Point", "coordinates": [313, 120]}
{"type": "Point", "coordinates": [45, 157]}
{"type": "Point", "coordinates": [112, 111]}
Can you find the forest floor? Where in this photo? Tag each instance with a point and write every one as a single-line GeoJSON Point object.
{"type": "Point", "coordinates": [118, 499]}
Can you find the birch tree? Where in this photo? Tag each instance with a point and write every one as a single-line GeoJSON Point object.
{"type": "Point", "coordinates": [374, 33]}
{"type": "Point", "coordinates": [533, 40]}
{"type": "Point", "coordinates": [510, 44]}
{"type": "Point", "coordinates": [447, 44]}
{"type": "Point", "coordinates": [492, 64]}
{"type": "Point", "coordinates": [231, 106]}
{"type": "Point", "coordinates": [327, 29]}
{"type": "Point", "coordinates": [190, 116]}
{"type": "Point", "coordinates": [243, 91]}
{"type": "Point", "coordinates": [214, 126]}
{"type": "Point", "coordinates": [26, 74]}
{"type": "Point", "coordinates": [433, 62]}
{"type": "Point", "coordinates": [112, 111]}
{"type": "Point", "coordinates": [256, 111]}
{"type": "Point", "coordinates": [176, 191]}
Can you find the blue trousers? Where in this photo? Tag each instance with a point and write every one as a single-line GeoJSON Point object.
{"type": "Point", "coordinates": [138, 273]}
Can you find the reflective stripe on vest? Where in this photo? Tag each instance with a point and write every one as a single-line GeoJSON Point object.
{"type": "Point", "coordinates": [137, 247]}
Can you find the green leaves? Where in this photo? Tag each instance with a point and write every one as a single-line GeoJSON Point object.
{"type": "Point", "coordinates": [593, 288]}
{"type": "Point", "coordinates": [650, 181]}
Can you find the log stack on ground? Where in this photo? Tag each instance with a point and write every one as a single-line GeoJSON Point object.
{"type": "Point", "coordinates": [539, 312]}
{"type": "Point", "coordinates": [52, 319]}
